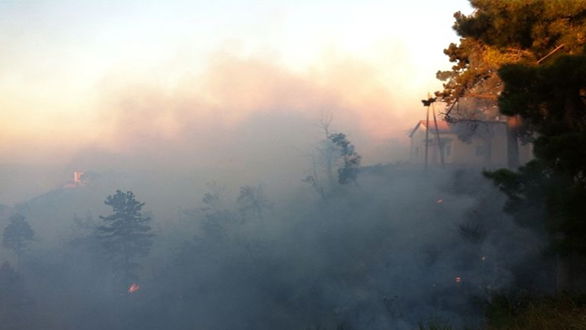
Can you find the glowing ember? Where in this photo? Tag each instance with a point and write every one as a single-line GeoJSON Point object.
{"type": "Point", "coordinates": [133, 288]}
{"type": "Point", "coordinates": [439, 201]}
{"type": "Point", "coordinates": [458, 279]}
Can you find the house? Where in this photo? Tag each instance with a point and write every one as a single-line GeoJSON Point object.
{"type": "Point", "coordinates": [471, 143]}
{"type": "Point", "coordinates": [79, 180]}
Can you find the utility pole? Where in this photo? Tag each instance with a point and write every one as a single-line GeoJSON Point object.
{"type": "Point", "coordinates": [439, 142]}
{"type": "Point", "coordinates": [427, 103]}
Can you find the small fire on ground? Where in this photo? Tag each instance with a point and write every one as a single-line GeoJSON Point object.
{"type": "Point", "coordinates": [133, 288]}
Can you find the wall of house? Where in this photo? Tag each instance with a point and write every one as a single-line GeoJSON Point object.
{"type": "Point", "coordinates": [418, 147]}
{"type": "Point", "coordinates": [434, 157]}
{"type": "Point", "coordinates": [525, 153]}
{"type": "Point", "coordinates": [487, 150]}
{"type": "Point", "coordinates": [470, 153]}
{"type": "Point", "coordinates": [499, 146]}
{"type": "Point", "coordinates": [416, 151]}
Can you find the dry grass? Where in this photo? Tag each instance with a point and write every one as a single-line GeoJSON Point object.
{"type": "Point", "coordinates": [561, 312]}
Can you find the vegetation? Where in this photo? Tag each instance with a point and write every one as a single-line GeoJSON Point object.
{"type": "Point", "coordinates": [526, 60]}
{"type": "Point", "coordinates": [252, 202]}
{"type": "Point", "coordinates": [399, 251]}
{"type": "Point", "coordinates": [530, 55]}
{"type": "Point", "coordinates": [17, 235]}
{"type": "Point", "coordinates": [514, 312]}
{"type": "Point", "coordinates": [337, 154]}
{"type": "Point", "coordinates": [348, 170]}
{"type": "Point", "coordinates": [507, 32]}
{"type": "Point", "coordinates": [16, 310]}
{"type": "Point", "coordinates": [126, 235]}
{"type": "Point", "coordinates": [526, 312]}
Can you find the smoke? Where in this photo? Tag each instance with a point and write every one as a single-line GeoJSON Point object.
{"type": "Point", "coordinates": [230, 156]}
{"type": "Point", "coordinates": [264, 249]}
{"type": "Point", "coordinates": [247, 115]}
{"type": "Point", "coordinates": [235, 92]}
{"type": "Point", "coordinates": [393, 250]}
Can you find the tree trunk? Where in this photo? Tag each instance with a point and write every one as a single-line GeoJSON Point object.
{"type": "Point", "coordinates": [570, 274]}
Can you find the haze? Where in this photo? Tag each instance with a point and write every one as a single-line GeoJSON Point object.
{"type": "Point", "coordinates": [268, 143]}
{"type": "Point", "coordinates": [122, 77]}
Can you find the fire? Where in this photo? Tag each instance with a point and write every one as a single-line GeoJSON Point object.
{"type": "Point", "coordinates": [439, 201]}
{"type": "Point", "coordinates": [458, 279]}
{"type": "Point", "coordinates": [133, 288]}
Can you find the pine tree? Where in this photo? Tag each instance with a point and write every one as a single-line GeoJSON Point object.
{"type": "Point", "coordinates": [535, 51]}
{"type": "Point", "coordinates": [506, 32]}
{"type": "Point", "coordinates": [126, 235]}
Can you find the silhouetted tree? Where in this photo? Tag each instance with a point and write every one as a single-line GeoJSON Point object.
{"type": "Point", "coordinates": [336, 153]}
{"type": "Point", "coordinates": [348, 171]}
{"type": "Point", "coordinates": [252, 201]}
{"type": "Point", "coordinates": [126, 235]}
{"type": "Point", "coordinates": [497, 33]}
{"type": "Point", "coordinates": [505, 32]}
{"type": "Point", "coordinates": [16, 307]}
{"type": "Point", "coordinates": [216, 214]}
{"type": "Point", "coordinates": [535, 50]}
{"type": "Point", "coordinates": [17, 235]}
{"type": "Point", "coordinates": [551, 99]}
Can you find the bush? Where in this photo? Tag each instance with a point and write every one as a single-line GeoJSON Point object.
{"type": "Point", "coordinates": [524, 312]}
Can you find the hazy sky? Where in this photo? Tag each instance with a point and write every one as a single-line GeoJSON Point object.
{"type": "Point", "coordinates": [72, 71]}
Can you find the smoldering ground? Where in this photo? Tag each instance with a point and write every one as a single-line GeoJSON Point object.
{"type": "Point", "coordinates": [394, 249]}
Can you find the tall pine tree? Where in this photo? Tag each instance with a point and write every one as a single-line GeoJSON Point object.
{"type": "Point", "coordinates": [126, 235]}
{"type": "Point", "coordinates": [530, 55]}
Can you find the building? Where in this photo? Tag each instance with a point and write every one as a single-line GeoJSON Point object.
{"type": "Point", "coordinates": [473, 143]}
{"type": "Point", "coordinates": [79, 179]}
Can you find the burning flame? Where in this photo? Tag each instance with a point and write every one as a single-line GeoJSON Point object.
{"type": "Point", "coordinates": [133, 288]}
{"type": "Point", "coordinates": [458, 279]}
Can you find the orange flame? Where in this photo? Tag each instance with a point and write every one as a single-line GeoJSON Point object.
{"type": "Point", "coordinates": [133, 288]}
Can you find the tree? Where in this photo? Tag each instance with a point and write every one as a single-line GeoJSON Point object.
{"type": "Point", "coordinates": [216, 215]}
{"type": "Point", "coordinates": [252, 202]}
{"type": "Point", "coordinates": [552, 100]}
{"type": "Point", "coordinates": [17, 235]}
{"type": "Point", "coordinates": [529, 55]}
{"type": "Point", "coordinates": [336, 153]}
{"type": "Point", "coordinates": [348, 171]}
{"type": "Point", "coordinates": [126, 235]}
{"type": "Point", "coordinates": [498, 33]}
{"type": "Point", "coordinates": [16, 306]}
{"type": "Point", "coordinates": [505, 32]}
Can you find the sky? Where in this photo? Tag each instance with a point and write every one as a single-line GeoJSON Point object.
{"type": "Point", "coordinates": [123, 76]}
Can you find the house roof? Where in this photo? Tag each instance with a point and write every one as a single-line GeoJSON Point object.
{"type": "Point", "coordinates": [442, 126]}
